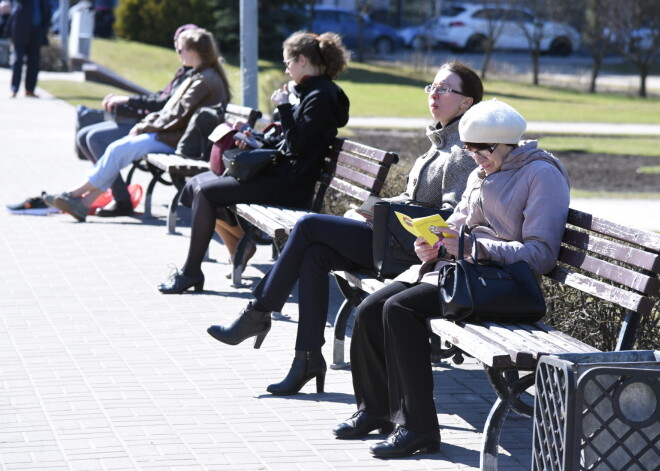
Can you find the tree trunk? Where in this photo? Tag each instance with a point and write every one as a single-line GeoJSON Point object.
{"type": "Point", "coordinates": [535, 66]}
{"type": "Point", "coordinates": [643, 73]}
{"type": "Point", "coordinates": [595, 70]}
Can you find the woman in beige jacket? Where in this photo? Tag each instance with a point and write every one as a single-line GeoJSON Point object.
{"type": "Point", "coordinates": [159, 131]}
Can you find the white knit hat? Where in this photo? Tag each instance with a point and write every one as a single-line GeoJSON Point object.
{"type": "Point", "coordinates": [492, 122]}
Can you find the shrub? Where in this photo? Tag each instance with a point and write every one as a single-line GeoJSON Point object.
{"type": "Point", "coordinates": [154, 21]}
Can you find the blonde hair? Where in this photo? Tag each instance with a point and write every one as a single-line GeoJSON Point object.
{"type": "Point", "coordinates": [326, 51]}
{"type": "Point", "coordinates": [203, 43]}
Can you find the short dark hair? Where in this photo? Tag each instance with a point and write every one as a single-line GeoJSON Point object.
{"type": "Point", "coordinates": [470, 81]}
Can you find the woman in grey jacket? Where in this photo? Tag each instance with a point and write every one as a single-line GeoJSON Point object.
{"type": "Point", "coordinates": [322, 243]}
{"type": "Point", "coordinates": [516, 202]}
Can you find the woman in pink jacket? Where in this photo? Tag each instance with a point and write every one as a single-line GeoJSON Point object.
{"type": "Point", "coordinates": [516, 203]}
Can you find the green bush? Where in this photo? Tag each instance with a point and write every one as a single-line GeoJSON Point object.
{"type": "Point", "coordinates": [154, 21]}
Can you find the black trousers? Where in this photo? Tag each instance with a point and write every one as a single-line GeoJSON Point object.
{"type": "Point", "coordinates": [318, 244]}
{"type": "Point", "coordinates": [390, 355]}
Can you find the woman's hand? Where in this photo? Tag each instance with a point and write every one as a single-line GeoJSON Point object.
{"type": "Point", "coordinates": [280, 96]}
{"type": "Point", "coordinates": [111, 101]}
{"type": "Point", "coordinates": [424, 251]}
{"type": "Point", "coordinates": [451, 243]}
{"type": "Point", "coordinates": [242, 144]}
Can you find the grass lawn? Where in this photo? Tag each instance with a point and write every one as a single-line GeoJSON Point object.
{"type": "Point", "coordinates": [374, 90]}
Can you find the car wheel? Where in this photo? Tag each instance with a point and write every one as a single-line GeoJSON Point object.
{"type": "Point", "coordinates": [384, 45]}
{"type": "Point", "coordinates": [476, 43]}
{"type": "Point", "coordinates": [560, 47]}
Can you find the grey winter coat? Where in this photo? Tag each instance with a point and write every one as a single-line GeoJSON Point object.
{"type": "Point", "coordinates": [438, 177]}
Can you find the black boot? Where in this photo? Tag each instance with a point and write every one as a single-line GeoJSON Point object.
{"type": "Point", "coordinates": [249, 323]}
{"type": "Point", "coordinates": [305, 366]}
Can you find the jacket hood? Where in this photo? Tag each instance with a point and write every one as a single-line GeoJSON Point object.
{"type": "Point", "coordinates": [341, 101]}
{"type": "Point", "coordinates": [528, 151]}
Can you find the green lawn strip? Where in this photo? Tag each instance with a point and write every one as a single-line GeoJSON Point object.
{"type": "Point", "coordinates": [649, 169]}
{"type": "Point", "coordinates": [379, 90]}
{"type": "Point", "coordinates": [614, 195]}
{"type": "Point", "coordinates": [617, 145]}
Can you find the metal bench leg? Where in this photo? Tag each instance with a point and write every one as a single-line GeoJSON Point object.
{"type": "Point", "coordinates": [242, 249]}
{"type": "Point", "coordinates": [352, 298]}
{"type": "Point", "coordinates": [171, 212]}
{"type": "Point", "coordinates": [508, 393]}
{"type": "Point", "coordinates": [147, 197]}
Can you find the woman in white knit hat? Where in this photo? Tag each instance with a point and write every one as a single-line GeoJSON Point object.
{"type": "Point", "coordinates": [516, 203]}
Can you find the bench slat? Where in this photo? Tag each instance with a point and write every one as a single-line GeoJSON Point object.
{"type": "Point", "coordinates": [563, 342]}
{"type": "Point", "coordinates": [599, 289]}
{"type": "Point", "coordinates": [354, 177]}
{"type": "Point", "coordinates": [260, 217]}
{"type": "Point", "coordinates": [646, 239]}
{"type": "Point", "coordinates": [384, 157]}
{"type": "Point", "coordinates": [368, 167]}
{"type": "Point", "coordinates": [364, 281]}
{"type": "Point", "coordinates": [471, 343]}
{"type": "Point", "coordinates": [521, 354]}
{"type": "Point", "coordinates": [630, 278]}
{"type": "Point", "coordinates": [351, 190]}
{"type": "Point", "coordinates": [626, 254]}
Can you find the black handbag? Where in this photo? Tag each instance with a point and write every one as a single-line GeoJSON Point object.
{"type": "Point", "coordinates": [244, 165]}
{"type": "Point", "coordinates": [393, 245]}
{"type": "Point", "coordinates": [486, 290]}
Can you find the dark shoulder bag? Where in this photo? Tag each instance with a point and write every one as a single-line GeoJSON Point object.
{"type": "Point", "coordinates": [486, 290]}
{"type": "Point", "coordinates": [393, 245]}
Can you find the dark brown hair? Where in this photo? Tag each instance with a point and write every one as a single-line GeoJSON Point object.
{"type": "Point", "coordinates": [326, 51]}
{"type": "Point", "coordinates": [470, 81]}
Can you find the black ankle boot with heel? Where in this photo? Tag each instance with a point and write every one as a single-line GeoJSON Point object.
{"type": "Point", "coordinates": [249, 323]}
{"type": "Point", "coordinates": [305, 366]}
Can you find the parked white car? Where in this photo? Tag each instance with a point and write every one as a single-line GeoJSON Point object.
{"type": "Point", "coordinates": [465, 27]}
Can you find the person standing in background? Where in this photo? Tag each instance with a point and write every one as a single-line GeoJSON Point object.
{"type": "Point", "coordinates": [27, 28]}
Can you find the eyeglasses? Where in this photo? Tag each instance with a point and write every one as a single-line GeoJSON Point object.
{"type": "Point", "coordinates": [288, 61]}
{"type": "Point", "coordinates": [473, 153]}
{"type": "Point", "coordinates": [441, 90]}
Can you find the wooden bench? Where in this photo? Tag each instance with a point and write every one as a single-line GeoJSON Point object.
{"type": "Point", "coordinates": [178, 169]}
{"type": "Point", "coordinates": [600, 258]}
{"type": "Point", "coordinates": [352, 169]}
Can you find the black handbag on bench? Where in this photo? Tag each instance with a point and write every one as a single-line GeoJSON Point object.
{"type": "Point", "coordinates": [393, 245]}
{"type": "Point", "coordinates": [486, 290]}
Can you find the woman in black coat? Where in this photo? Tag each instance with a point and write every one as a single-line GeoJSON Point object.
{"type": "Point", "coordinates": [308, 128]}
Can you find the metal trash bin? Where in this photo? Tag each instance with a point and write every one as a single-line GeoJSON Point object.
{"type": "Point", "coordinates": [597, 411]}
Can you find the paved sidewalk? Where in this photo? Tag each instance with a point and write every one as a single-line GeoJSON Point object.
{"type": "Point", "coordinates": [100, 371]}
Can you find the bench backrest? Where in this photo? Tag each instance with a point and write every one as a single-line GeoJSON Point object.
{"type": "Point", "coordinates": [354, 169]}
{"type": "Point", "coordinates": [612, 262]}
{"type": "Point", "coordinates": [235, 113]}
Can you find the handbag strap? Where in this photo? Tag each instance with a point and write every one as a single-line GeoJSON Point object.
{"type": "Point", "coordinates": [461, 246]}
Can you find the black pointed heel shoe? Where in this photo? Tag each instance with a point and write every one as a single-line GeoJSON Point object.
{"type": "Point", "coordinates": [178, 283]}
{"type": "Point", "coordinates": [305, 366]}
{"type": "Point", "coordinates": [249, 323]}
{"type": "Point", "coordinates": [361, 424]}
{"type": "Point", "coordinates": [403, 442]}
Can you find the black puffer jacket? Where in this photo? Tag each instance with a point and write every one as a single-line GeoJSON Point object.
{"type": "Point", "coordinates": [310, 127]}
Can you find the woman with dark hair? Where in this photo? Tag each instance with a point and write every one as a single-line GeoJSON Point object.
{"type": "Point", "coordinates": [322, 243]}
{"type": "Point", "coordinates": [308, 129]}
{"type": "Point", "coordinates": [516, 204]}
{"type": "Point", "coordinates": [159, 131]}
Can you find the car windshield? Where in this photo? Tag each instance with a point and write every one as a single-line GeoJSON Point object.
{"type": "Point", "coordinates": [451, 11]}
